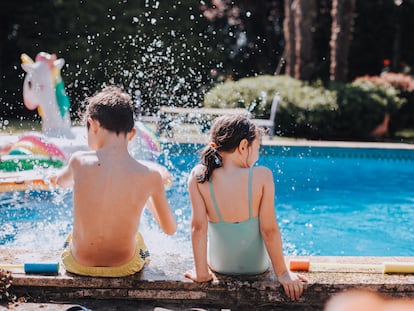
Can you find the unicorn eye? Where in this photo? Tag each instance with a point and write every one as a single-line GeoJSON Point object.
{"type": "Point", "coordinates": [29, 84]}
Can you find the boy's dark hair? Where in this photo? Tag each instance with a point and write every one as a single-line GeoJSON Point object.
{"type": "Point", "coordinates": [113, 108]}
{"type": "Point", "coordinates": [225, 135]}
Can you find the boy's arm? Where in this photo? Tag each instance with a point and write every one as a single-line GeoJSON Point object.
{"type": "Point", "coordinates": [199, 226]}
{"type": "Point", "coordinates": [64, 178]}
{"type": "Point", "coordinates": [159, 207]}
{"type": "Point", "coordinates": [271, 235]}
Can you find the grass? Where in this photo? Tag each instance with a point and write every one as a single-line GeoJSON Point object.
{"type": "Point", "coordinates": [406, 136]}
{"type": "Point", "coordinates": [18, 126]}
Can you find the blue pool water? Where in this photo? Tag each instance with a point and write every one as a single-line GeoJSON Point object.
{"type": "Point", "coordinates": [329, 201]}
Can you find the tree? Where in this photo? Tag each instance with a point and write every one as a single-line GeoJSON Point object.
{"type": "Point", "coordinates": [305, 17]}
{"type": "Point", "coordinates": [299, 28]}
{"type": "Point", "coordinates": [251, 34]}
{"type": "Point", "coordinates": [289, 33]}
{"type": "Point", "coordinates": [341, 36]}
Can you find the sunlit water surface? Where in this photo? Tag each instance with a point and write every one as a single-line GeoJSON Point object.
{"type": "Point", "coordinates": [356, 202]}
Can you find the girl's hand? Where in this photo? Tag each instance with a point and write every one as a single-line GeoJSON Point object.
{"type": "Point", "coordinates": [292, 283]}
{"type": "Point", "coordinates": [191, 275]}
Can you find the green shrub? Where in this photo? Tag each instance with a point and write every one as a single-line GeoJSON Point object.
{"type": "Point", "coordinates": [362, 106]}
{"type": "Point", "coordinates": [404, 117]}
{"type": "Point", "coordinates": [255, 94]}
{"type": "Point", "coordinates": [340, 111]}
{"type": "Point", "coordinates": [297, 100]}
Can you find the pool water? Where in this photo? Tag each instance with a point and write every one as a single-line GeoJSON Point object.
{"type": "Point", "coordinates": [329, 201]}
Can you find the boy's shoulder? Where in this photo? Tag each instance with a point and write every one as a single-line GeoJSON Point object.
{"type": "Point", "coordinates": [80, 155]}
{"type": "Point", "coordinates": [84, 152]}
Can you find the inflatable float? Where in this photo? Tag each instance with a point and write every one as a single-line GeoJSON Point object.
{"type": "Point", "coordinates": [43, 179]}
{"type": "Point", "coordinates": [27, 160]}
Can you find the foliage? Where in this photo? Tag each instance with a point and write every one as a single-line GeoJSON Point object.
{"type": "Point", "coordinates": [362, 106]}
{"type": "Point", "coordinates": [404, 117]}
{"type": "Point", "coordinates": [255, 93]}
{"type": "Point", "coordinates": [381, 24]}
{"type": "Point", "coordinates": [6, 281]}
{"type": "Point", "coordinates": [298, 100]}
{"type": "Point", "coordinates": [339, 111]}
{"type": "Point", "coordinates": [402, 82]}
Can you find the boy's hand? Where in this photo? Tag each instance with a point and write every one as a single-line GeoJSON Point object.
{"type": "Point", "coordinates": [53, 180]}
{"type": "Point", "coordinates": [199, 279]}
{"type": "Point", "coordinates": [292, 283]}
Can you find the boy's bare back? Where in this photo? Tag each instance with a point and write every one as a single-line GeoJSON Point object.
{"type": "Point", "coordinates": [110, 191]}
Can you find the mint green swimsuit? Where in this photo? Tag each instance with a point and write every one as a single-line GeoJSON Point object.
{"type": "Point", "coordinates": [236, 248]}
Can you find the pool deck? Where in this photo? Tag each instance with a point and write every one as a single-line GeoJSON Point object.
{"type": "Point", "coordinates": [163, 285]}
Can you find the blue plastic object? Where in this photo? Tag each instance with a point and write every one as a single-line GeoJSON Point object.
{"type": "Point", "coordinates": [41, 268]}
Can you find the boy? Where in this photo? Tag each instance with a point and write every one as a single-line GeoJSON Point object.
{"type": "Point", "coordinates": [110, 189]}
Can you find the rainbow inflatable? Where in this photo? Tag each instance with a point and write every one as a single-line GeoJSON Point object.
{"type": "Point", "coordinates": [32, 151]}
{"type": "Point", "coordinates": [147, 142]}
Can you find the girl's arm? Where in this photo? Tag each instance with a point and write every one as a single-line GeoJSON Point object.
{"type": "Point", "coordinates": [199, 225]}
{"type": "Point", "coordinates": [292, 283]}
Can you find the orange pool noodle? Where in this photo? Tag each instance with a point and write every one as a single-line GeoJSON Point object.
{"type": "Point", "coordinates": [299, 264]}
{"type": "Point", "coordinates": [386, 267]}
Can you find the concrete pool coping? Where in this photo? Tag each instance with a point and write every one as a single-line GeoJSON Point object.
{"type": "Point", "coordinates": [281, 141]}
{"type": "Point", "coordinates": [162, 282]}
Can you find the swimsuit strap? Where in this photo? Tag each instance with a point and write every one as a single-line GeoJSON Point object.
{"type": "Point", "coordinates": [250, 192]}
{"type": "Point", "coordinates": [249, 196]}
{"type": "Point", "coordinates": [214, 201]}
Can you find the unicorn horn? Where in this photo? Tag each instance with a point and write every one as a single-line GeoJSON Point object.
{"type": "Point", "coordinates": [26, 59]}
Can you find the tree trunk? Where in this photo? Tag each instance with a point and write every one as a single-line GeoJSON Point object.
{"type": "Point", "coordinates": [396, 46]}
{"type": "Point", "coordinates": [341, 37]}
{"type": "Point", "coordinates": [305, 16]}
{"type": "Point", "coordinates": [289, 33]}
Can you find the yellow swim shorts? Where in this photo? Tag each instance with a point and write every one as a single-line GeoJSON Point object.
{"type": "Point", "coordinates": [135, 265]}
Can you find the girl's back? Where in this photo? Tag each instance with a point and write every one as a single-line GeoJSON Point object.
{"type": "Point", "coordinates": [230, 186]}
{"type": "Point", "coordinates": [235, 242]}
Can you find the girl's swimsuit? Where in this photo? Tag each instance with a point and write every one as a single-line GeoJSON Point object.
{"type": "Point", "coordinates": [236, 248]}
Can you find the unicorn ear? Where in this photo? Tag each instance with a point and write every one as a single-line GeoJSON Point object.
{"type": "Point", "coordinates": [26, 59]}
{"type": "Point", "coordinates": [27, 67]}
{"type": "Point", "coordinates": [59, 63]}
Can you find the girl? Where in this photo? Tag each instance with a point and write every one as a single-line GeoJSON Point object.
{"type": "Point", "coordinates": [233, 202]}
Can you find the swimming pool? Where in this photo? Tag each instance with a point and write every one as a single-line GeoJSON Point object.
{"type": "Point", "coordinates": [329, 201]}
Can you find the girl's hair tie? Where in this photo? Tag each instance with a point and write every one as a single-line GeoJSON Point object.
{"type": "Point", "coordinates": [213, 145]}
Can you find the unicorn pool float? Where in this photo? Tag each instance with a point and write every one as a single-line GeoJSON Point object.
{"type": "Point", "coordinates": [26, 160]}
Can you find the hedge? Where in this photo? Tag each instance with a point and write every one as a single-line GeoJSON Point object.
{"type": "Point", "coordinates": [313, 111]}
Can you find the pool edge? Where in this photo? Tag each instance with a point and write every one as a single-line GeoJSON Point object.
{"type": "Point", "coordinates": [166, 283]}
